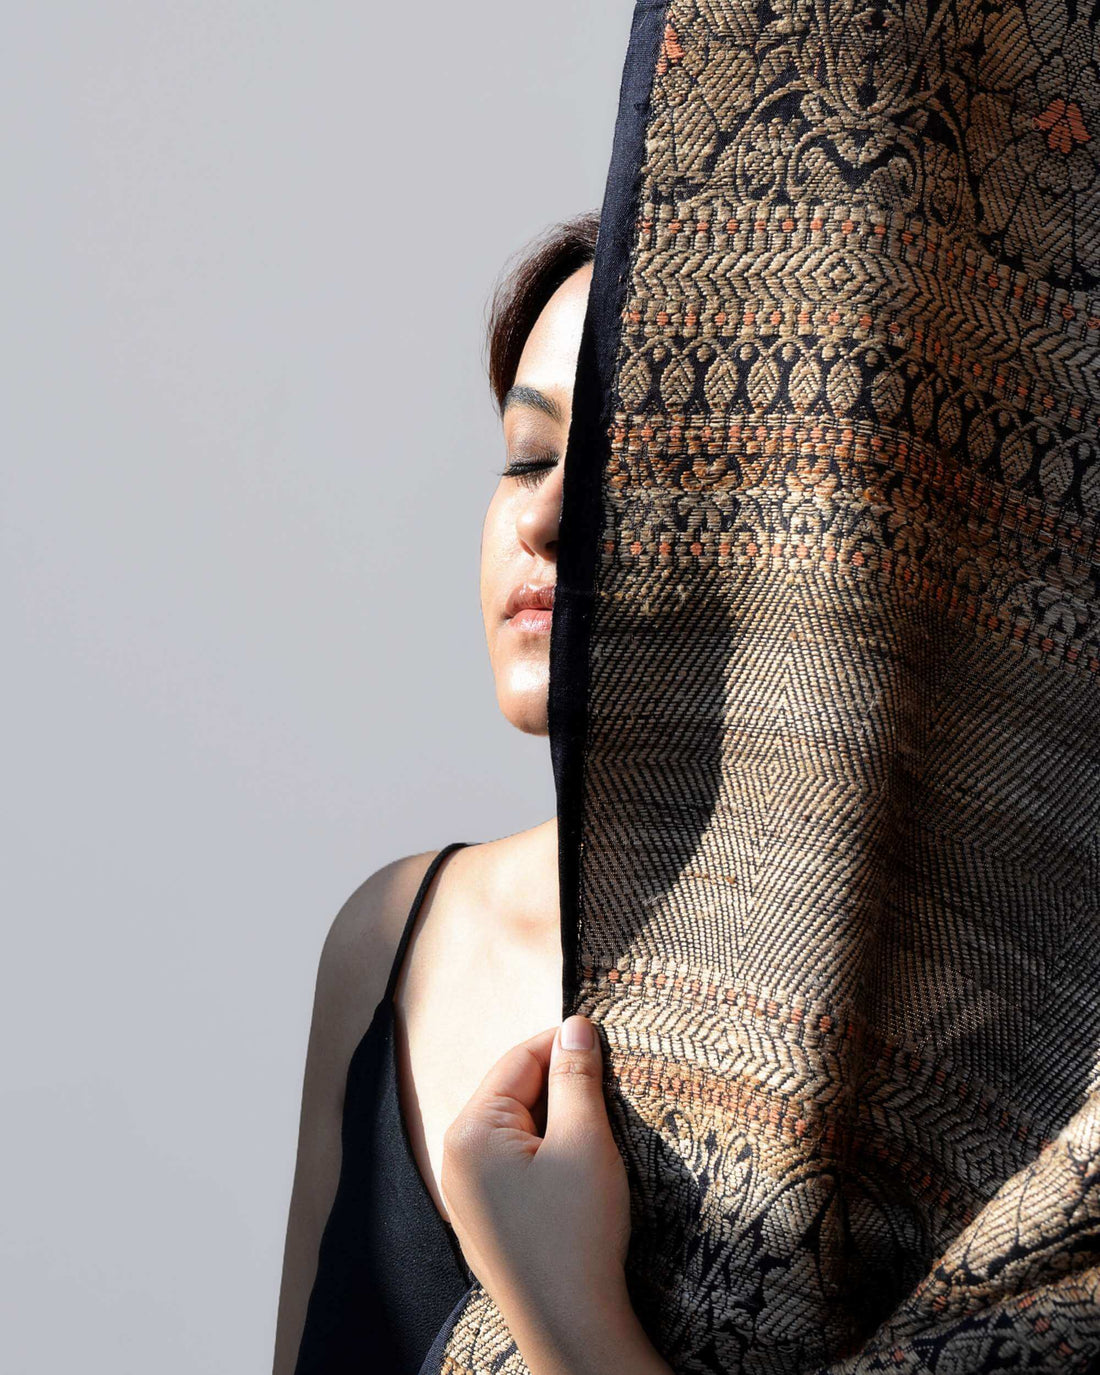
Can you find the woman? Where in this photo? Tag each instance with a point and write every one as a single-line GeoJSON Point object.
{"type": "Point", "coordinates": [510, 1174]}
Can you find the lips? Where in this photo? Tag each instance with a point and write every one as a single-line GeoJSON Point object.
{"type": "Point", "coordinates": [530, 597]}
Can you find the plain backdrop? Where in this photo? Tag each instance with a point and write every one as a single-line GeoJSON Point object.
{"type": "Point", "coordinates": [247, 248]}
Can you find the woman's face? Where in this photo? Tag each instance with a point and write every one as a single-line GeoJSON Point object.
{"type": "Point", "coordinates": [519, 540]}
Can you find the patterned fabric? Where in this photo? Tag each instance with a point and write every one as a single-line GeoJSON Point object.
{"type": "Point", "coordinates": [825, 687]}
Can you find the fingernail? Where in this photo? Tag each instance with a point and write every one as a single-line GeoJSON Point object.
{"type": "Point", "coordinates": [577, 1033]}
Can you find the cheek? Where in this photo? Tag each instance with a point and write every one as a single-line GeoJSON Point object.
{"type": "Point", "coordinates": [492, 580]}
{"type": "Point", "coordinates": [494, 538]}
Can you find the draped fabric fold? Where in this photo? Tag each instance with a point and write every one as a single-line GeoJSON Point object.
{"type": "Point", "coordinates": [825, 687]}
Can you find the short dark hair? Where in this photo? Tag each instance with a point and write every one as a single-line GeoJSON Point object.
{"type": "Point", "coordinates": [535, 274]}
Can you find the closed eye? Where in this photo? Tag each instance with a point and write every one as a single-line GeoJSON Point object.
{"type": "Point", "coordinates": [530, 474]}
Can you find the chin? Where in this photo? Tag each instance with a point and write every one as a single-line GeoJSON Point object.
{"type": "Point", "coordinates": [523, 695]}
{"type": "Point", "coordinates": [530, 722]}
{"type": "Point", "coordinates": [526, 712]}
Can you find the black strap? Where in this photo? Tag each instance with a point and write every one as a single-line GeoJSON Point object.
{"type": "Point", "coordinates": [410, 920]}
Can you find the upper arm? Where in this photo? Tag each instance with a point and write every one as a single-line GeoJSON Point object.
{"type": "Point", "coordinates": [351, 976]}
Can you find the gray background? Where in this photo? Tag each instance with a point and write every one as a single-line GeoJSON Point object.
{"type": "Point", "coordinates": [247, 448]}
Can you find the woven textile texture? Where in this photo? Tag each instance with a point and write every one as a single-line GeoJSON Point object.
{"type": "Point", "coordinates": [825, 687]}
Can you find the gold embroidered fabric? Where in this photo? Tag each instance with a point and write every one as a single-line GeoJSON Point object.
{"type": "Point", "coordinates": [836, 783]}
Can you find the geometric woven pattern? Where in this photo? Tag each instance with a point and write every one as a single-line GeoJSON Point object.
{"type": "Point", "coordinates": [835, 867]}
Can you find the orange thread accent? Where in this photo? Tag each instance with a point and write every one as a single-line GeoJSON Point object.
{"type": "Point", "coordinates": [1063, 125]}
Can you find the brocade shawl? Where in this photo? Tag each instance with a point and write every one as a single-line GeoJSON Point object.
{"type": "Point", "coordinates": [825, 687]}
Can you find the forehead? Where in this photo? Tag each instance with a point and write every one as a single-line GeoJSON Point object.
{"type": "Point", "coordinates": [549, 358]}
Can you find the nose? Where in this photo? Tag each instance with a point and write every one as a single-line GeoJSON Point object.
{"type": "Point", "coordinates": [539, 517]}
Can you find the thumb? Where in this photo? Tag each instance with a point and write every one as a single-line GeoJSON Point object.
{"type": "Point", "coordinates": [575, 1104]}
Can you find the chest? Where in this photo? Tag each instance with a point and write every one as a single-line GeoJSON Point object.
{"type": "Point", "coordinates": [468, 993]}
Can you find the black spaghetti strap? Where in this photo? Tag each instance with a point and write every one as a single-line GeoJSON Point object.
{"type": "Point", "coordinates": [410, 920]}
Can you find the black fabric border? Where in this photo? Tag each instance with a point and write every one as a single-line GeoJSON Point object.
{"type": "Point", "coordinates": [585, 461]}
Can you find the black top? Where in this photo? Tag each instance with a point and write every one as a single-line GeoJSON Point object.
{"type": "Point", "coordinates": [390, 1270]}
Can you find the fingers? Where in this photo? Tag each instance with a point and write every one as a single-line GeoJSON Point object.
{"type": "Point", "coordinates": [511, 1089]}
{"type": "Point", "coordinates": [541, 1080]}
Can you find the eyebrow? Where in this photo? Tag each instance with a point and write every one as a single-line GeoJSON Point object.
{"type": "Point", "coordinates": [530, 396]}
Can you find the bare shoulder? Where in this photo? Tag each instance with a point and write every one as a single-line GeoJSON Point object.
{"type": "Point", "coordinates": [358, 952]}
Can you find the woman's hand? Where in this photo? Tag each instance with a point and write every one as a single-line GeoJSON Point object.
{"type": "Point", "coordinates": [536, 1188]}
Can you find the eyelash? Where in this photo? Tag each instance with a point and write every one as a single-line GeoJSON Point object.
{"type": "Point", "coordinates": [530, 474]}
